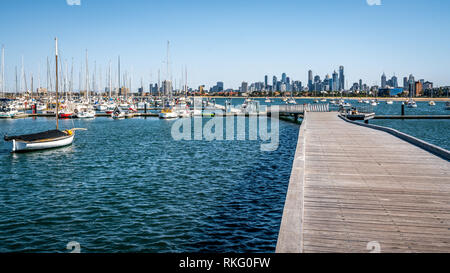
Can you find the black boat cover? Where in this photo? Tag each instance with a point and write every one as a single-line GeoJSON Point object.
{"type": "Point", "coordinates": [39, 136]}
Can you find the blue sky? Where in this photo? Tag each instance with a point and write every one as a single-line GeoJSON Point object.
{"type": "Point", "coordinates": [233, 41]}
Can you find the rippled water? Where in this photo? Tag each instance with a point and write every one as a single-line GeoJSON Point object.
{"type": "Point", "coordinates": [126, 186]}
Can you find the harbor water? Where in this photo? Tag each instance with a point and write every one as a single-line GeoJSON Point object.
{"type": "Point", "coordinates": [127, 186]}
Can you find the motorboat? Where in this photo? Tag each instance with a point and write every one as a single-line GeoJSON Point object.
{"type": "Point", "coordinates": [412, 104]}
{"type": "Point", "coordinates": [390, 102]}
{"type": "Point", "coordinates": [432, 103]}
{"type": "Point", "coordinates": [8, 112]}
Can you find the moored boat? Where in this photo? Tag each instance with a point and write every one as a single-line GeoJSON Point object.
{"type": "Point", "coordinates": [48, 139]}
{"type": "Point", "coordinates": [167, 113]}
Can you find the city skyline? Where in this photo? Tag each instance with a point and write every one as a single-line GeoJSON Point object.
{"type": "Point", "coordinates": [229, 46]}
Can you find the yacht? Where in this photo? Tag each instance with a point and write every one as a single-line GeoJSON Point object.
{"type": "Point", "coordinates": [432, 103]}
{"type": "Point", "coordinates": [390, 102]}
{"type": "Point", "coordinates": [85, 112]}
{"type": "Point", "coordinates": [8, 112]}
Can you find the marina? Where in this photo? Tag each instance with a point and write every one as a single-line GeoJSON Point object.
{"type": "Point", "coordinates": [246, 129]}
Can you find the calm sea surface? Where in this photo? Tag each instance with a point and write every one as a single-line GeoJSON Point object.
{"type": "Point", "coordinates": [126, 186]}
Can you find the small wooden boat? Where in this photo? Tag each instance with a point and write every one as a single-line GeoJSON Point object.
{"type": "Point", "coordinates": [40, 141]}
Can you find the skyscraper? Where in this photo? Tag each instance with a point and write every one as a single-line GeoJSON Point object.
{"type": "Point", "coordinates": [266, 82]}
{"type": "Point", "coordinates": [341, 78]}
{"type": "Point", "coordinates": [274, 82]}
{"type": "Point", "coordinates": [405, 83]}
{"type": "Point", "coordinates": [394, 81]}
{"type": "Point", "coordinates": [283, 78]}
{"type": "Point", "coordinates": [310, 80]}
{"type": "Point", "coordinates": [335, 81]}
{"type": "Point", "coordinates": [244, 87]}
{"type": "Point", "coordinates": [383, 81]}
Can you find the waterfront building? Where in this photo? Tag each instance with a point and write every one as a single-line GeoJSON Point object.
{"type": "Point", "coordinates": [418, 89]}
{"type": "Point", "coordinates": [428, 85]}
{"type": "Point", "coordinates": [274, 83]}
{"type": "Point", "coordinates": [389, 92]}
{"type": "Point", "coordinates": [266, 82]}
{"type": "Point", "coordinates": [405, 83]}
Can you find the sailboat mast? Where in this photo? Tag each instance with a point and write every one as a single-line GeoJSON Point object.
{"type": "Point", "coordinates": [87, 78]}
{"type": "Point", "coordinates": [110, 81]}
{"type": "Point", "coordinates": [3, 70]}
{"type": "Point", "coordinates": [56, 82]}
{"type": "Point", "coordinates": [118, 90]}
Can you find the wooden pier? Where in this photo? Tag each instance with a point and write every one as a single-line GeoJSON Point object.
{"type": "Point", "coordinates": [358, 189]}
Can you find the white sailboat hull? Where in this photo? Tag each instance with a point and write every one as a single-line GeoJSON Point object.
{"type": "Point", "coordinates": [169, 115]}
{"type": "Point", "coordinates": [20, 146]}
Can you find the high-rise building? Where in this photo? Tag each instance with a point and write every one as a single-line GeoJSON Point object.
{"type": "Point", "coordinates": [167, 88]}
{"type": "Point", "coordinates": [219, 86]}
{"type": "Point", "coordinates": [418, 88]}
{"type": "Point", "coordinates": [341, 78]}
{"type": "Point", "coordinates": [335, 81]}
{"type": "Point", "coordinates": [383, 81]}
{"type": "Point", "coordinates": [274, 82]}
{"type": "Point", "coordinates": [266, 82]}
{"type": "Point", "coordinates": [405, 83]}
{"type": "Point", "coordinates": [412, 85]}
{"type": "Point", "coordinates": [360, 85]}
{"type": "Point", "coordinates": [310, 80]}
{"type": "Point", "coordinates": [283, 78]}
{"type": "Point", "coordinates": [244, 87]}
{"type": "Point", "coordinates": [394, 81]}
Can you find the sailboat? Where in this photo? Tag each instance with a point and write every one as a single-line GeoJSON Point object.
{"type": "Point", "coordinates": [48, 139]}
{"type": "Point", "coordinates": [167, 112]}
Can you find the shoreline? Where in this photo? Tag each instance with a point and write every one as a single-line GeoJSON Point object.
{"type": "Point", "coordinates": [336, 98]}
